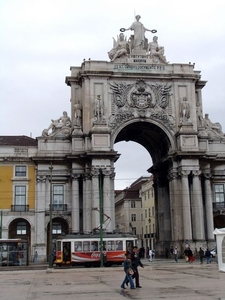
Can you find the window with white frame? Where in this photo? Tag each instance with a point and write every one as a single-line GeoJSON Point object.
{"type": "Point", "coordinates": [133, 217]}
{"type": "Point", "coordinates": [58, 195]}
{"type": "Point", "coordinates": [20, 195]}
{"type": "Point", "coordinates": [133, 204]}
{"type": "Point", "coordinates": [134, 230]}
{"type": "Point", "coordinates": [219, 193]}
{"type": "Point", "coordinates": [20, 171]}
{"type": "Point", "coordinates": [21, 228]}
{"type": "Point", "coordinates": [56, 228]}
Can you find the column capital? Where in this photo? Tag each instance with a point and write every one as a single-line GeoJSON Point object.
{"type": "Point", "coordinates": [41, 178]}
{"type": "Point", "coordinates": [75, 176]}
{"type": "Point", "coordinates": [207, 175]}
{"type": "Point", "coordinates": [94, 172]}
{"type": "Point", "coordinates": [87, 176]}
{"type": "Point", "coordinates": [196, 173]}
{"type": "Point", "coordinates": [172, 175]}
{"type": "Point", "coordinates": [184, 173]}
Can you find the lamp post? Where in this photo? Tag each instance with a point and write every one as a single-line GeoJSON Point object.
{"type": "Point", "coordinates": [50, 220]}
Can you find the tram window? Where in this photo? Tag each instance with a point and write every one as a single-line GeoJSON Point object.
{"type": "Point", "coordinates": [59, 246]}
{"type": "Point", "coordinates": [119, 245]}
{"type": "Point", "coordinates": [129, 246]}
{"type": "Point", "coordinates": [94, 246]}
{"type": "Point", "coordinates": [111, 245]}
{"type": "Point", "coordinates": [78, 246]}
{"type": "Point", "coordinates": [86, 246]}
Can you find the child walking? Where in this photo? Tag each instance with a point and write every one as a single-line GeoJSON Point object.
{"type": "Point", "coordinates": [129, 271]}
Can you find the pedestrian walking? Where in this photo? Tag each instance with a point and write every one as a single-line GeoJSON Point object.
{"type": "Point", "coordinates": [167, 252]}
{"type": "Point", "coordinates": [35, 257]}
{"type": "Point", "coordinates": [20, 257]}
{"type": "Point", "coordinates": [190, 255]}
{"type": "Point", "coordinates": [171, 251]}
{"type": "Point", "coordinates": [135, 261]}
{"type": "Point", "coordinates": [201, 255]}
{"type": "Point", "coordinates": [151, 254]}
{"type": "Point", "coordinates": [175, 252]}
{"type": "Point", "coordinates": [208, 256]}
{"type": "Point", "coordinates": [129, 272]}
{"type": "Point", "coordinates": [186, 254]}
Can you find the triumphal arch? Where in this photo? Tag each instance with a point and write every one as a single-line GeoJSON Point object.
{"type": "Point", "coordinates": [137, 95]}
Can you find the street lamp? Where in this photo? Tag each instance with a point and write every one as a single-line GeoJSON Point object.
{"type": "Point", "coordinates": [50, 220]}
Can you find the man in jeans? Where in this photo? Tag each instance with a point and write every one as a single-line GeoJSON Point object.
{"type": "Point", "coordinates": [135, 261]}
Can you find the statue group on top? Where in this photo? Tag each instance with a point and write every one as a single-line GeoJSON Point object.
{"type": "Point", "coordinates": [136, 43]}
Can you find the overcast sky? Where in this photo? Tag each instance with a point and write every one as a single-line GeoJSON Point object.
{"type": "Point", "coordinates": [40, 40]}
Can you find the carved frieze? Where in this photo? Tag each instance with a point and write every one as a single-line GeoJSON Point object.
{"type": "Point", "coordinates": [142, 100]}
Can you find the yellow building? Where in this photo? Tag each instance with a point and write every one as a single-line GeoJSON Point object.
{"type": "Point", "coordinates": [17, 188]}
{"type": "Point", "coordinates": [149, 223]}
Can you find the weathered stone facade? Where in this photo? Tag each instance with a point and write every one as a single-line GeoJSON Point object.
{"type": "Point", "coordinates": [137, 96]}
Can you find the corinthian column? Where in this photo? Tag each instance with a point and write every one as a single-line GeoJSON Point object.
{"type": "Point", "coordinates": [197, 211]}
{"type": "Point", "coordinates": [186, 209]}
{"type": "Point", "coordinates": [95, 198]}
{"type": "Point", "coordinates": [175, 207]}
{"type": "Point", "coordinates": [87, 204]}
{"type": "Point", "coordinates": [75, 222]}
{"type": "Point", "coordinates": [108, 201]}
{"type": "Point", "coordinates": [209, 207]}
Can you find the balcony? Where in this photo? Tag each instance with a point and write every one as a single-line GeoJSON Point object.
{"type": "Point", "coordinates": [59, 207]}
{"type": "Point", "coordinates": [19, 208]}
{"type": "Point", "coordinates": [218, 205]}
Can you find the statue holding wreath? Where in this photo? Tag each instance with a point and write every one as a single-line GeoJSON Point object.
{"type": "Point", "coordinates": [139, 42]}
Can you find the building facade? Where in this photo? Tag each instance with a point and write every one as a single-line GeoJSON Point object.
{"type": "Point", "coordinates": [129, 210]}
{"type": "Point", "coordinates": [18, 188]}
{"type": "Point", "coordinates": [149, 220]}
{"type": "Point", "coordinates": [135, 96]}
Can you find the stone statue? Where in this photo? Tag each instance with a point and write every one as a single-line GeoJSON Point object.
{"type": "Point", "coordinates": [139, 34]}
{"type": "Point", "coordinates": [213, 129]}
{"type": "Point", "coordinates": [98, 108]}
{"type": "Point", "coordinates": [156, 52]}
{"type": "Point", "coordinates": [184, 110]}
{"type": "Point", "coordinates": [120, 48]}
{"type": "Point", "coordinates": [59, 127]}
{"type": "Point", "coordinates": [77, 114]}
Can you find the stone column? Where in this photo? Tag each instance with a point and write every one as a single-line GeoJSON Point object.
{"type": "Point", "coordinates": [175, 207]}
{"type": "Point", "coordinates": [107, 201]}
{"type": "Point", "coordinates": [197, 208]}
{"type": "Point", "coordinates": [75, 215]}
{"type": "Point", "coordinates": [40, 209]}
{"type": "Point", "coordinates": [209, 207]}
{"type": "Point", "coordinates": [162, 207]}
{"type": "Point", "coordinates": [186, 208]}
{"type": "Point", "coordinates": [112, 197]}
{"type": "Point", "coordinates": [95, 198]}
{"type": "Point", "coordinates": [87, 204]}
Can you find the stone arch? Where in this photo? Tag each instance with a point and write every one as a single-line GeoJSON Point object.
{"type": "Point", "coordinates": [24, 230]}
{"type": "Point", "coordinates": [152, 135]}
